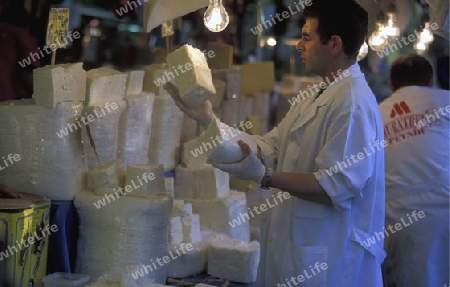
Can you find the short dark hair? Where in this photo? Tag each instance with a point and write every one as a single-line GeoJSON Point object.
{"type": "Point", "coordinates": [344, 18]}
{"type": "Point", "coordinates": [410, 70]}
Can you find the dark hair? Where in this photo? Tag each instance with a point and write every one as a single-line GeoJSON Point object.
{"type": "Point", "coordinates": [410, 70]}
{"type": "Point", "coordinates": [344, 18]}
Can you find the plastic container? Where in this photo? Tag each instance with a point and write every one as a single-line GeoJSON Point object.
{"type": "Point", "coordinates": [60, 279]}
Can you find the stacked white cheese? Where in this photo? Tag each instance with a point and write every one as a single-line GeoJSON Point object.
{"type": "Point", "coordinates": [104, 102]}
{"type": "Point", "coordinates": [124, 231]}
{"type": "Point", "coordinates": [45, 134]}
{"type": "Point", "coordinates": [59, 83]}
{"type": "Point", "coordinates": [234, 260]}
{"type": "Point", "coordinates": [136, 121]}
{"type": "Point", "coordinates": [48, 144]}
{"type": "Point", "coordinates": [184, 228]}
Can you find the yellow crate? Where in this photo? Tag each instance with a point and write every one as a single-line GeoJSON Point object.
{"type": "Point", "coordinates": [41, 232]}
{"type": "Point", "coordinates": [16, 220]}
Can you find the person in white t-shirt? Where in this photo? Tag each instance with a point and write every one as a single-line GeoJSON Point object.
{"type": "Point", "coordinates": [416, 127]}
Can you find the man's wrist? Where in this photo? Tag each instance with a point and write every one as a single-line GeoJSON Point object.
{"type": "Point", "coordinates": [266, 181]}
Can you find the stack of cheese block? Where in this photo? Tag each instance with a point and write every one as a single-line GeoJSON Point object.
{"type": "Point", "coordinates": [234, 260]}
{"type": "Point", "coordinates": [184, 228]}
{"type": "Point", "coordinates": [125, 232]}
{"type": "Point", "coordinates": [46, 134]}
{"type": "Point", "coordinates": [167, 119]}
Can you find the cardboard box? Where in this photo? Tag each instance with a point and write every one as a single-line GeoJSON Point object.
{"type": "Point", "coordinates": [16, 220]}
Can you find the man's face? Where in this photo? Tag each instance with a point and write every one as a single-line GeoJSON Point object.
{"type": "Point", "coordinates": [314, 54]}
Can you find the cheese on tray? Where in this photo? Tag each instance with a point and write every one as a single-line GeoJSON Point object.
{"type": "Point", "coordinates": [234, 260]}
{"type": "Point", "coordinates": [191, 74]}
{"type": "Point", "coordinates": [135, 80]}
{"type": "Point", "coordinates": [59, 83]}
{"type": "Point", "coordinates": [104, 85]}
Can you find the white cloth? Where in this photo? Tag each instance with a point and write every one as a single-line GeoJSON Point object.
{"type": "Point", "coordinates": [417, 178]}
{"type": "Point", "coordinates": [297, 234]}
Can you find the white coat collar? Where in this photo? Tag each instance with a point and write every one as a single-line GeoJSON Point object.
{"type": "Point", "coordinates": [353, 71]}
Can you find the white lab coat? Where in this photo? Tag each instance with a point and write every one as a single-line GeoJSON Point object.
{"type": "Point", "coordinates": [417, 178]}
{"type": "Point", "coordinates": [297, 234]}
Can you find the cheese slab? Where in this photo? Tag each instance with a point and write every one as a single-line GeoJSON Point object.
{"type": "Point", "coordinates": [154, 78]}
{"type": "Point", "coordinates": [234, 260]}
{"type": "Point", "coordinates": [206, 182]}
{"type": "Point", "coordinates": [106, 178]}
{"type": "Point", "coordinates": [257, 78]}
{"type": "Point", "coordinates": [191, 74]}
{"type": "Point", "coordinates": [104, 85]}
{"type": "Point", "coordinates": [223, 58]}
{"type": "Point", "coordinates": [145, 180]}
{"type": "Point", "coordinates": [59, 83]}
{"type": "Point", "coordinates": [135, 81]}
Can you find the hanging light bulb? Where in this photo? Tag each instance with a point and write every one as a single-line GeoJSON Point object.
{"type": "Point", "coordinates": [378, 40]}
{"type": "Point", "coordinates": [426, 36]}
{"type": "Point", "coordinates": [391, 30]}
{"type": "Point", "coordinates": [363, 51]}
{"type": "Point", "coordinates": [216, 17]}
{"type": "Point", "coordinates": [420, 47]}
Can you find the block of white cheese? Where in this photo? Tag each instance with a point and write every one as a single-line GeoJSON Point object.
{"type": "Point", "coordinates": [191, 228]}
{"type": "Point", "coordinates": [135, 129]}
{"type": "Point", "coordinates": [189, 263]}
{"type": "Point", "coordinates": [192, 155]}
{"type": "Point", "coordinates": [166, 130]}
{"type": "Point", "coordinates": [218, 97]}
{"type": "Point", "coordinates": [234, 260]}
{"type": "Point", "coordinates": [180, 208]}
{"type": "Point", "coordinates": [175, 230]}
{"type": "Point", "coordinates": [145, 180]}
{"type": "Point", "coordinates": [223, 56]}
{"type": "Point", "coordinates": [106, 178]}
{"type": "Point", "coordinates": [59, 83]}
{"type": "Point", "coordinates": [48, 144]}
{"type": "Point", "coordinates": [125, 231]}
{"type": "Point", "coordinates": [105, 85]}
{"type": "Point", "coordinates": [155, 77]}
{"type": "Point", "coordinates": [224, 215]}
{"type": "Point", "coordinates": [135, 81]}
{"type": "Point", "coordinates": [192, 75]}
{"type": "Point", "coordinates": [206, 182]}
{"type": "Point", "coordinates": [103, 122]}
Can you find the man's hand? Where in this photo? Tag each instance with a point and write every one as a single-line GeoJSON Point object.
{"type": "Point", "coordinates": [249, 168]}
{"type": "Point", "coordinates": [8, 192]}
{"type": "Point", "coordinates": [202, 114]}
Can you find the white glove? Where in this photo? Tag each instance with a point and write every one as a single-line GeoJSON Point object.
{"type": "Point", "coordinates": [248, 168]}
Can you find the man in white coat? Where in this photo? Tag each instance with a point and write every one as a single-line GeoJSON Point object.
{"type": "Point", "coordinates": [327, 153]}
{"type": "Point", "coordinates": [416, 126]}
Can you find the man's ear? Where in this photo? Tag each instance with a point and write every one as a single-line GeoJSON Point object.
{"type": "Point", "coordinates": [430, 82]}
{"type": "Point", "coordinates": [336, 44]}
